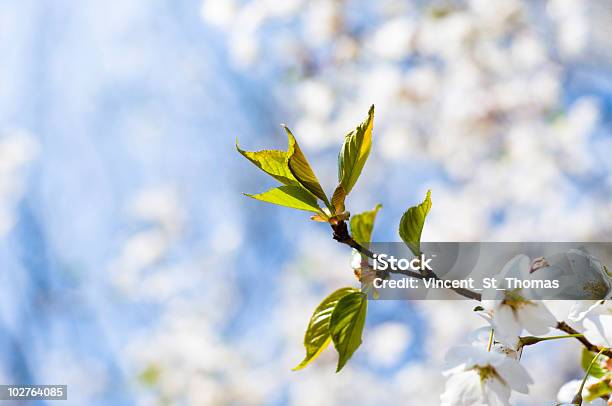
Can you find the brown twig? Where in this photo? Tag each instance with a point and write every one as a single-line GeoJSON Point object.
{"type": "Point", "coordinates": [563, 326]}
{"type": "Point", "coordinates": [342, 235]}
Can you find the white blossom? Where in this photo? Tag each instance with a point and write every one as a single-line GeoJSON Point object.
{"type": "Point", "coordinates": [481, 378]}
{"type": "Point", "coordinates": [514, 310]}
{"type": "Point", "coordinates": [581, 308]}
{"type": "Point", "coordinates": [597, 323]}
{"type": "Point", "coordinates": [580, 275]}
{"type": "Point", "coordinates": [480, 338]}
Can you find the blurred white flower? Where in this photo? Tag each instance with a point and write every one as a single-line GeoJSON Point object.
{"type": "Point", "coordinates": [316, 129]}
{"type": "Point", "coordinates": [17, 150]}
{"type": "Point", "coordinates": [570, 135]}
{"type": "Point", "coordinates": [285, 8]}
{"type": "Point", "coordinates": [496, 15]}
{"type": "Point", "coordinates": [446, 37]}
{"type": "Point", "coordinates": [162, 215]}
{"type": "Point", "coordinates": [421, 83]}
{"type": "Point", "coordinates": [481, 378]}
{"type": "Point", "coordinates": [244, 48]}
{"type": "Point", "coordinates": [572, 25]}
{"type": "Point", "coordinates": [219, 12]}
{"type": "Point", "coordinates": [395, 144]}
{"type": "Point", "coordinates": [479, 338]}
{"type": "Point", "coordinates": [226, 237]}
{"type": "Point", "coordinates": [75, 369]}
{"type": "Point", "coordinates": [158, 205]}
{"type": "Point", "coordinates": [394, 39]}
{"type": "Point", "coordinates": [316, 98]}
{"type": "Point", "coordinates": [424, 383]}
{"type": "Point", "coordinates": [346, 49]}
{"type": "Point", "coordinates": [528, 51]}
{"type": "Point", "coordinates": [323, 21]}
{"type": "Point", "coordinates": [386, 343]}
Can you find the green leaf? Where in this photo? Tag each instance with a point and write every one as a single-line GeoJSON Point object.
{"type": "Point", "coordinates": [295, 197]}
{"type": "Point", "coordinates": [598, 390]}
{"type": "Point", "coordinates": [411, 224]}
{"type": "Point", "coordinates": [354, 153]}
{"type": "Point", "coordinates": [272, 162]}
{"type": "Point", "coordinates": [338, 200]}
{"type": "Point", "coordinates": [597, 370]}
{"type": "Point", "coordinates": [362, 225]}
{"type": "Point", "coordinates": [346, 325]}
{"type": "Point", "coordinates": [317, 335]}
{"type": "Point", "coordinates": [301, 170]}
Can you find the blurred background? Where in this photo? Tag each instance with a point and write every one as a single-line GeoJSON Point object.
{"type": "Point", "coordinates": [133, 269]}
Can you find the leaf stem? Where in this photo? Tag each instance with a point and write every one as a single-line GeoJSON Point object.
{"type": "Point", "coordinates": [559, 337]}
{"type": "Point", "coordinates": [578, 398]}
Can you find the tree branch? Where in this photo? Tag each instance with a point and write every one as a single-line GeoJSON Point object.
{"type": "Point", "coordinates": [342, 235]}
{"type": "Point", "coordinates": [563, 326]}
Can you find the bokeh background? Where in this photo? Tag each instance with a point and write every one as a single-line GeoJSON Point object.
{"type": "Point", "coordinates": [133, 269]}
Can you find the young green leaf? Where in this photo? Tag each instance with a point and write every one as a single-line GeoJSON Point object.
{"type": "Point", "coordinates": [597, 370]}
{"type": "Point", "coordinates": [338, 199]}
{"type": "Point", "coordinates": [317, 335]}
{"type": "Point", "coordinates": [301, 170]}
{"type": "Point", "coordinates": [295, 197]}
{"type": "Point", "coordinates": [354, 154]}
{"type": "Point", "coordinates": [362, 225]}
{"type": "Point", "coordinates": [346, 325]}
{"type": "Point", "coordinates": [599, 389]}
{"type": "Point", "coordinates": [272, 162]}
{"type": "Point", "coordinates": [411, 224]}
